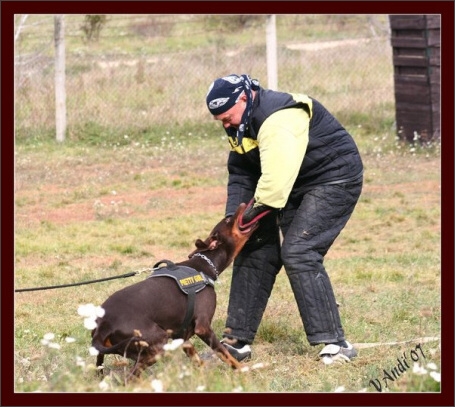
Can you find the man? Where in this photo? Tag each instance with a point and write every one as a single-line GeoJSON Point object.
{"type": "Point", "coordinates": [301, 172]}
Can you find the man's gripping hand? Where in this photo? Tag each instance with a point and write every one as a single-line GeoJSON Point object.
{"type": "Point", "coordinates": [252, 214]}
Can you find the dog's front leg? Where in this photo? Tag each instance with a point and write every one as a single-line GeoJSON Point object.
{"type": "Point", "coordinates": [209, 337]}
{"type": "Point", "coordinates": [226, 357]}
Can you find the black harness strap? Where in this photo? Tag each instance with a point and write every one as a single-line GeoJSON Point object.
{"type": "Point", "coordinates": [189, 311]}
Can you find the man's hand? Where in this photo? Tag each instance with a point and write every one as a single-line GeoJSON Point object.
{"type": "Point", "coordinates": [252, 214]}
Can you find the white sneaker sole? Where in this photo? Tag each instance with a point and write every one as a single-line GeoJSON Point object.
{"type": "Point", "coordinates": [334, 353]}
{"type": "Point", "coordinates": [239, 354]}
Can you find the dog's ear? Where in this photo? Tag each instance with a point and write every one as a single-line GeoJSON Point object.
{"type": "Point", "coordinates": [214, 241]}
{"type": "Point", "coordinates": [200, 244]}
{"type": "Point", "coordinates": [211, 243]}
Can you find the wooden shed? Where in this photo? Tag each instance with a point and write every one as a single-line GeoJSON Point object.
{"type": "Point", "coordinates": [416, 41]}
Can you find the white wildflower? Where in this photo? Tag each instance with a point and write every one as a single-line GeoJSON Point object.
{"type": "Point", "coordinates": [436, 376]}
{"type": "Point", "coordinates": [157, 385]}
{"type": "Point", "coordinates": [85, 310]}
{"type": "Point", "coordinates": [54, 345]}
{"type": "Point", "coordinates": [25, 362]}
{"type": "Point", "coordinates": [340, 389]}
{"type": "Point", "coordinates": [257, 366]}
{"type": "Point", "coordinates": [68, 339]}
{"type": "Point", "coordinates": [417, 369]}
{"type": "Point", "coordinates": [103, 385]}
{"type": "Point", "coordinates": [93, 351]}
{"type": "Point", "coordinates": [432, 366]}
{"type": "Point", "coordinates": [80, 362]}
{"type": "Point", "coordinates": [327, 360]}
{"type": "Point", "coordinates": [49, 336]}
{"type": "Point", "coordinates": [184, 372]}
{"type": "Point", "coordinates": [176, 343]}
{"type": "Point", "coordinates": [89, 323]}
{"type": "Point", "coordinates": [200, 388]}
{"type": "Point", "coordinates": [90, 311]}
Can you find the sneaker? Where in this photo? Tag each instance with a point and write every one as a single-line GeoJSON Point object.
{"type": "Point", "coordinates": [240, 353]}
{"type": "Point", "coordinates": [335, 353]}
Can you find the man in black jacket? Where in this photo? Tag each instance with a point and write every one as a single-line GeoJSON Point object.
{"type": "Point", "coordinates": [301, 173]}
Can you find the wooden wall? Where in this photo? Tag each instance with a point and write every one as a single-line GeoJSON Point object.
{"type": "Point", "coordinates": [416, 41]}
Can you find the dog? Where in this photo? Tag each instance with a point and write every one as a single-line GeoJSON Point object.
{"type": "Point", "coordinates": [177, 301]}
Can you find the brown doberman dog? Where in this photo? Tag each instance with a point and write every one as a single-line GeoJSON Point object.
{"type": "Point", "coordinates": [179, 302]}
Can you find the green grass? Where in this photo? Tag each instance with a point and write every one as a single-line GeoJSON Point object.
{"type": "Point", "coordinates": [385, 265]}
{"type": "Point", "coordinates": [122, 193]}
{"type": "Point", "coordinates": [149, 34]}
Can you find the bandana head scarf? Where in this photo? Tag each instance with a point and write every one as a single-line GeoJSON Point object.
{"type": "Point", "coordinates": [225, 92]}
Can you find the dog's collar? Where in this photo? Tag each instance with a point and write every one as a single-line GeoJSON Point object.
{"type": "Point", "coordinates": [208, 261]}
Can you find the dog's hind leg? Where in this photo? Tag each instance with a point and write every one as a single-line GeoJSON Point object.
{"type": "Point", "coordinates": [148, 350]}
{"type": "Point", "coordinates": [191, 352]}
{"type": "Point", "coordinates": [99, 364]}
{"type": "Point", "coordinates": [143, 360]}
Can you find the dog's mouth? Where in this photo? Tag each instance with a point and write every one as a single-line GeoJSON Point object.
{"type": "Point", "coordinates": [251, 226]}
{"type": "Point", "coordinates": [250, 229]}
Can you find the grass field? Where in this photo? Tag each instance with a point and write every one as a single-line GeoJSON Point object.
{"type": "Point", "coordinates": [91, 210]}
{"type": "Point", "coordinates": [139, 184]}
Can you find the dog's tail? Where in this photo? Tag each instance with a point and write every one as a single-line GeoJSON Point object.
{"type": "Point", "coordinates": [118, 348]}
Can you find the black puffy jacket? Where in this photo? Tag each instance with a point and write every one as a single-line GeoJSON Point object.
{"type": "Point", "coordinates": [331, 155]}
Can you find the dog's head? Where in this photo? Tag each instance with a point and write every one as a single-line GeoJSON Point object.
{"type": "Point", "coordinates": [228, 234]}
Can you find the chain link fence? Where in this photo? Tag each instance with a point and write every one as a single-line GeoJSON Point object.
{"type": "Point", "coordinates": [137, 71]}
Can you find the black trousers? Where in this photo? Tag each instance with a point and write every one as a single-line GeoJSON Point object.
{"type": "Point", "coordinates": [309, 228]}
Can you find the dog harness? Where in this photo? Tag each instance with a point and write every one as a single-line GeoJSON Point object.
{"type": "Point", "coordinates": [189, 280]}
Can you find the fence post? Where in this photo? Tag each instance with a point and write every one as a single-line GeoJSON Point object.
{"type": "Point", "coordinates": [60, 91]}
{"type": "Point", "coordinates": [271, 53]}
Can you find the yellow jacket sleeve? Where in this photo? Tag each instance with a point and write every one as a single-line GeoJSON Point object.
{"type": "Point", "coordinates": [282, 141]}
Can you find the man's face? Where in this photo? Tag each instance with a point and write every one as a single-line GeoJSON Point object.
{"type": "Point", "coordinates": [233, 117]}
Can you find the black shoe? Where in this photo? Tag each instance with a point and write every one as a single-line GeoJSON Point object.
{"type": "Point", "coordinates": [238, 351]}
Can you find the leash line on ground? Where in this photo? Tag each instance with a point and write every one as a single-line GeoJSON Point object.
{"type": "Point", "coordinates": [130, 274]}
{"type": "Point", "coordinates": [374, 344]}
